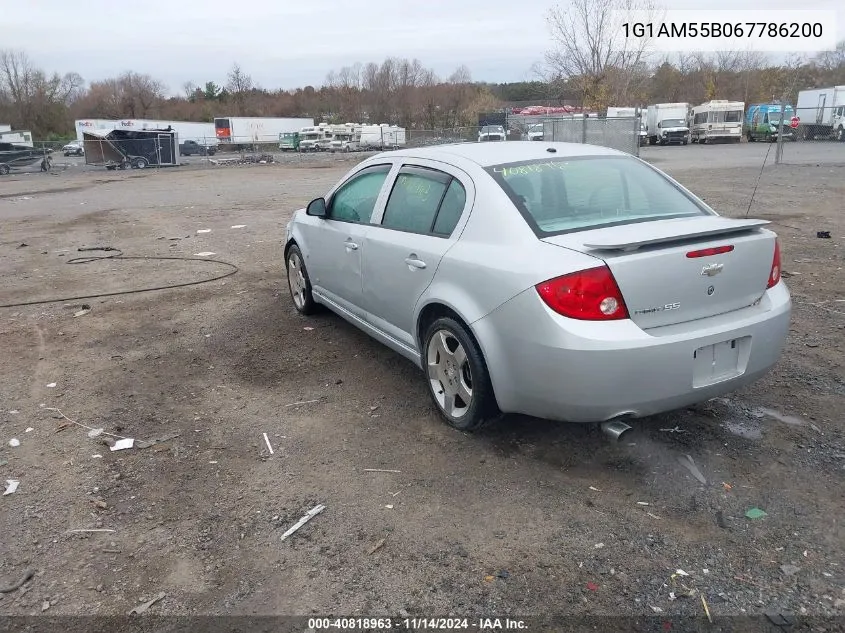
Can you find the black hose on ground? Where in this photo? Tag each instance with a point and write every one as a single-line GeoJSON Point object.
{"type": "Point", "coordinates": [117, 254]}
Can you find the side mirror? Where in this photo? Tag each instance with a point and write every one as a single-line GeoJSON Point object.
{"type": "Point", "coordinates": [317, 208]}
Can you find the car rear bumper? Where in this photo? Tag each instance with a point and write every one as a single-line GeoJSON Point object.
{"type": "Point", "coordinates": [544, 365]}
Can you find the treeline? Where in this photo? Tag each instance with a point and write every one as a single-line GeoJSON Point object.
{"type": "Point", "coordinates": [397, 91]}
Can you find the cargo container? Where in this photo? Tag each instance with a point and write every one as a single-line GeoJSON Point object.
{"type": "Point", "coordinates": [821, 112]}
{"type": "Point", "coordinates": [256, 130]}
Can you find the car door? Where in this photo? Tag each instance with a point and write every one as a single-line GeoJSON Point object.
{"type": "Point", "coordinates": [335, 243]}
{"type": "Point", "coordinates": [420, 221]}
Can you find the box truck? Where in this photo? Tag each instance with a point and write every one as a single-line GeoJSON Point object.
{"type": "Point", "coordinates": [256, 130]}
{"type": "Point", "coordinates": [821, 112]}
{"type": "Point", "coordinates": [666, 123]}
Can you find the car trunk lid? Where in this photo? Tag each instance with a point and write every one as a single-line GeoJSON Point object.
{"type": "Point", "coordinates": [672, 271]}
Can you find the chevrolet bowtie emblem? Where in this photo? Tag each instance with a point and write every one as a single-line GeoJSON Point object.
{"type": "Point", "coordinates": [711, 270]}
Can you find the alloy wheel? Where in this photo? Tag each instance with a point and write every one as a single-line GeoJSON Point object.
{"type": "Point", "coordinates": [449, 373]}
{"type": "Point", "coordinates": [296, 280]}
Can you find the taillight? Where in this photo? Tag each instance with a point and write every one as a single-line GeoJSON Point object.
{"type": "Point", "coordinates": [589, 295]}
{"type": "Point", "coordinates": [774, 274]}
{"type": "Point", "coordinates": [707, 252]}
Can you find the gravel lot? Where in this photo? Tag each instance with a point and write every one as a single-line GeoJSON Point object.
{"type": "Point", "coordinates": [526, 517]}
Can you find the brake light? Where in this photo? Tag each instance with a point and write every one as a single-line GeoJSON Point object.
{"type": "Point", "coordinates": [707, 252]}
{"type": "Point", "coordinates": [774, 274]}
{"type": "Point", "coordinates": [588, 295]}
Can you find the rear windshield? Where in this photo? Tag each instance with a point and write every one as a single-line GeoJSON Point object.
{"type": "Point", "coordinates": [575, 194]}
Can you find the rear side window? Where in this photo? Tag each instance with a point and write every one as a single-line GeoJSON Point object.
{"type": "Point", "coordinates": [425, 201]}
{"type": "Point", "coordinates": [451, 209]}
{"type": "Point", "coordinates": [565, 195]}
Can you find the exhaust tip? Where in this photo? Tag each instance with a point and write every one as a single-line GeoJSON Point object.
{"type": "Point", "coordinates": [615, 429]}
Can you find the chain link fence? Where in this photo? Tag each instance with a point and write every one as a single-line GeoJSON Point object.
{"type": "Point", "coordinates": [159, 151]}
{"type": "Point", "coordinates": [819, 137]}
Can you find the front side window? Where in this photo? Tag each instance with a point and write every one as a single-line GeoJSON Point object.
{"type": "Point", "coordinates": [565, 195]}
{"type": "Point", "coordinates": [733, 116]}
{"type": "Point", "coordinates": [425, 201]}
{"type": "Point", "coordinates": [356, 199]}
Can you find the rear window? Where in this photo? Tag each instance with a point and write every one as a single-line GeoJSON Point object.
{"type": "Point", "coordinates": [576, 194]}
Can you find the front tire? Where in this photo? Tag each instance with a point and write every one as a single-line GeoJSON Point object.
{"type": "Point", "coordinates": [298, 282]}
{"type": "Point", "coordinates": [457, 375]}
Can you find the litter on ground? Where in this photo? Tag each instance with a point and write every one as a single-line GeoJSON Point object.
{"type": "Point", "coordinates": [686, 462]}
{"type": "Point", "coordinates": [14, 442]}
{"type": "Point", "coordinates": [756, 513]}
{"type": "Point", "coordinates": [143, 607]}
{"type": "Point", "coordinates": [267, 441]}
{"type": "Point", "coordinates": [308, 516]}
{"type": "Point", "coordinates": [11, 486]}
{"type": "Point", "coordinates": [123, 444]}
{"type": "Point", "coordinates": [204, 254]}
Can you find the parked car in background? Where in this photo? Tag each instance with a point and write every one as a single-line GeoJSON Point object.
{"type": "Point", "coordinates": [491, 133]}
{"type": "Point", "coordinates": [192, 148]}
{"type": "Point", "coordinates": [74, 148]}
{"type": "Point", "coordinates": [562, 281]}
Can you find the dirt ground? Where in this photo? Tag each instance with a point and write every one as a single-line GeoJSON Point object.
{"type": "Point", "coordinates": [526, 517]}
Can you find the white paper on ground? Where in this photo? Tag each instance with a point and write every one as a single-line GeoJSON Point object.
{"type": "Point", "coordinates": [119, 445]}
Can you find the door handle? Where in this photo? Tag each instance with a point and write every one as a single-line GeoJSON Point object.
{"type": "Point", "coordinates": [413, 262]}
{"type": "Point", "coordinates": [351, 246]}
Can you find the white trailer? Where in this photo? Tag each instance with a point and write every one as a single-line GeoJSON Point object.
{"type": "Point", "coordinates": [821, 112]}
{"type": "Point", "coordinates": [202, 133]}
{"type": "Point", "coordinates": [717, 120]}
{"type": "Point", "coordinates": [18, 137]}
{"type": "Point", "coordinates": [382, 136]}
{"type": "Point", "coordinates": [255, 130]}
{"type": "Point", "coordinates": [666, 123]}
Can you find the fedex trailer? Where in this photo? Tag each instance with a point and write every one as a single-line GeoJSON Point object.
{"type": "Point", "coordinates": [201, 133]}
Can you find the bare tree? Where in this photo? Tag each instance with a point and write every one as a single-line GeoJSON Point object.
{"type": "Point", "coordinates": [590, 47]}
{"type": "Point", "coordinates": [238, 85]}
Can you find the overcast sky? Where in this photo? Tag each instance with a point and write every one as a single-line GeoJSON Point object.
{"type": "Point", "coordinates": [287, 43]}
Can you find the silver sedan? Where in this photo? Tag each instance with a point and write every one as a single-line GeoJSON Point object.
{"type": "Point", "coordinates": [562, 281]}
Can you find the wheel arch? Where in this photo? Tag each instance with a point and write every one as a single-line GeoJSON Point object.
{"type": "Point", "coordinates": [436, 309]}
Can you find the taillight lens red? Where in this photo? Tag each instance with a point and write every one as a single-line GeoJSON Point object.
{"type": "Point", "coordinates": [774, 274]}
{"type": "Point", "coordinates": [708, 252]}
{"type": "Point", "coordinates": [589, 295]}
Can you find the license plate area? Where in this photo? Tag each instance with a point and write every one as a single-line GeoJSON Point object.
{"type": "Point", "coordinates": [721, 361]}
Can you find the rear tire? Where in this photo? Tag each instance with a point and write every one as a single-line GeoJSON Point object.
{"type": "Point", "coordinates": [298, 282]}
{"type": "Point", "coordinates": [140, 163]}
{"type": "Point", "coordinates": [4, 169]}
{"type": "Point", "coordinates": [457, 376]}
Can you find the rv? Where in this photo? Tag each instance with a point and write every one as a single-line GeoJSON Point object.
{"type": "Point", "coordinates": [382, 136]}
{"type": "Point", "coordinates": [315, 138]}
{"type": "Point", "coordinates": [717, 120]}
{"type": "Point", "coordinates": [346, 137]}
{"type": "Point", "coordinates": [666, 123]}
{"type": "Point", "coordinates": [822, 112]}
{"type": "Point", "coordinates": [255, 130]}
{"type": "Point", "coordinates": [763, 121]}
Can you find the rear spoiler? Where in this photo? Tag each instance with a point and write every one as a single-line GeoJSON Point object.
{"type": "Point", "coordinates": [670, 231]}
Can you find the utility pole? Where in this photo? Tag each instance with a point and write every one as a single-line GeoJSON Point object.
{"type": "Point", "coordinates": [779, 151]}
